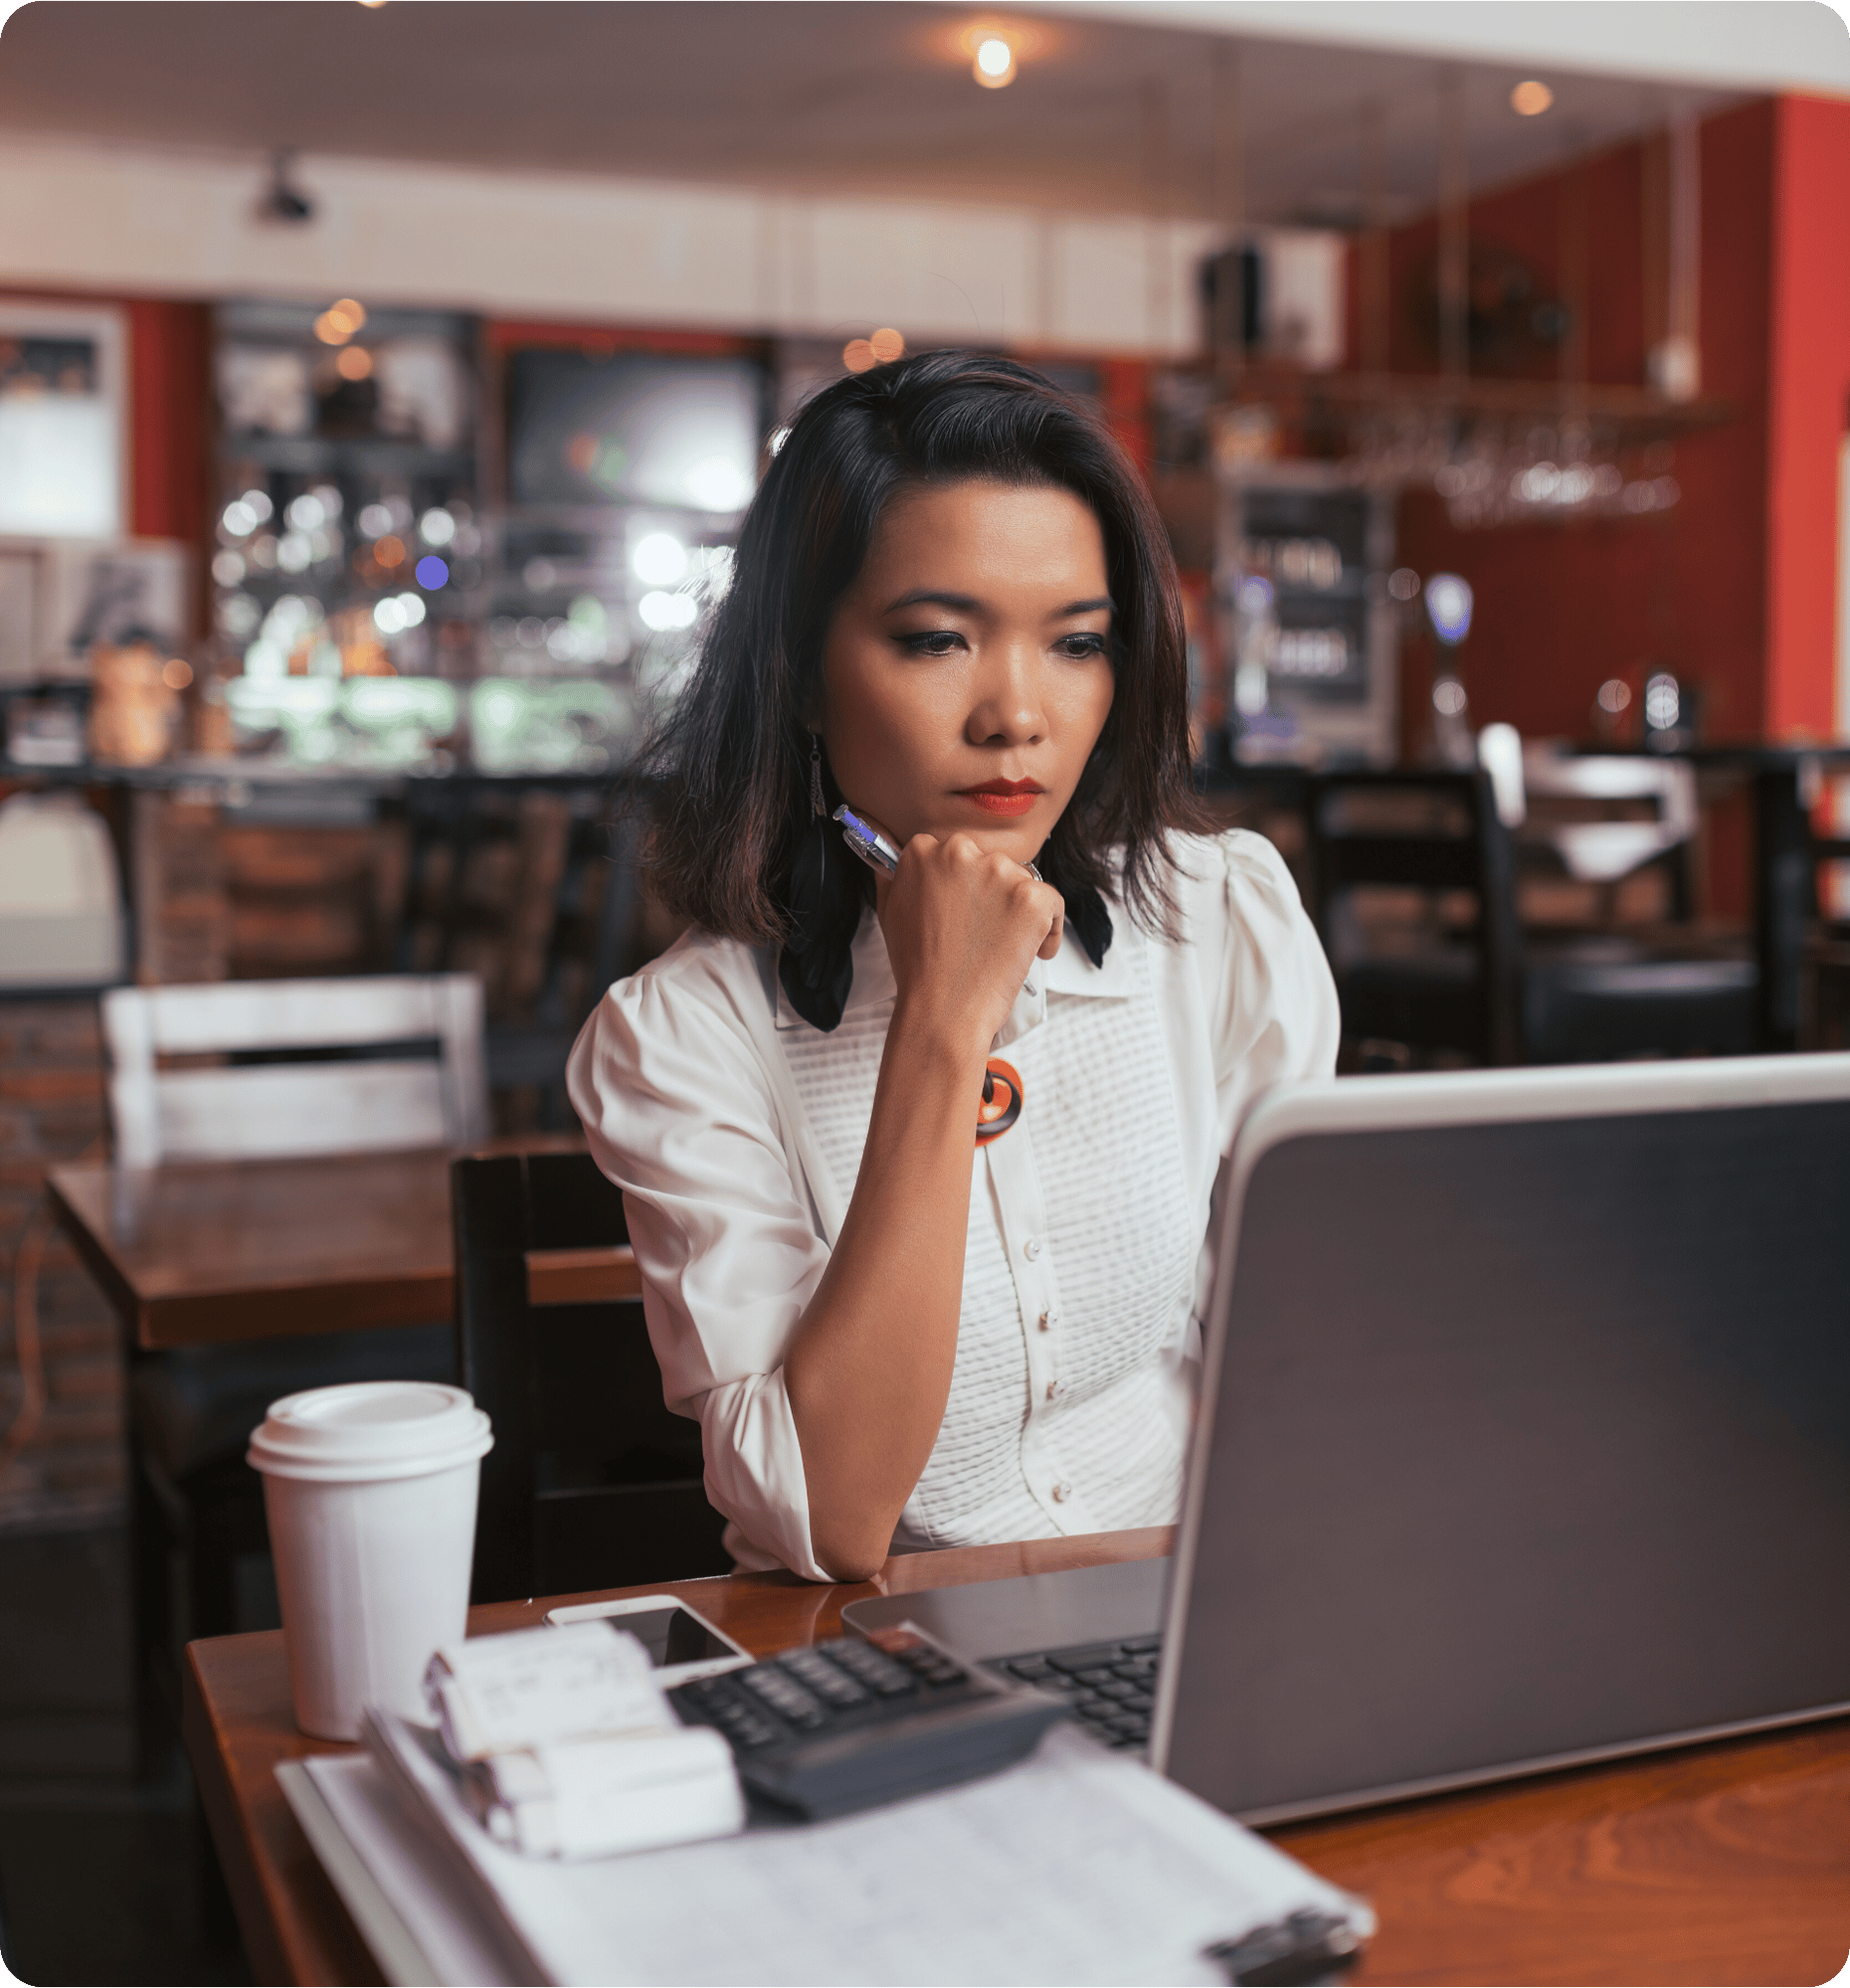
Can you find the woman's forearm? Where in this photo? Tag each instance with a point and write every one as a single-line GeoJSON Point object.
{"type": "Point", "coordinates": [870, 1367]}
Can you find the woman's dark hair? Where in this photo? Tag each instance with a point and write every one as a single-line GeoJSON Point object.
{"type": "Point", "coordinates": [728, 772]}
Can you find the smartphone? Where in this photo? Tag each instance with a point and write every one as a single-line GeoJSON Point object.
{"type": "Point", "coordinates": [682, 1645]}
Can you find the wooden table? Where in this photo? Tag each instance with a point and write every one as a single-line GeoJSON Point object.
{"type": "Point", "coordinates": [1716, 1863]}
{"type": "Point", "coordinates": [210, 1251]}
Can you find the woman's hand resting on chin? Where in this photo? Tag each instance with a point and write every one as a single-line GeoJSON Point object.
{"type": "Point", "coordinates": [962, 927]}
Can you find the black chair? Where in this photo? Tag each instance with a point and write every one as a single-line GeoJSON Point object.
{"type": "Point", "coordinates": [1658, 986]}
{"type": "Point", "coordinates": [592, 1481]}
{"type": "Point", "coordinates": [1446, 976]}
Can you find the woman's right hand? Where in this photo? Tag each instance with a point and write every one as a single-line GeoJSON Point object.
{"type": "Point", "coordinates": [963, 925]}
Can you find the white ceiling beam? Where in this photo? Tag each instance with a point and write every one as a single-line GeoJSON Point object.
{"type": "Point", "coordinates": [1757, 45]}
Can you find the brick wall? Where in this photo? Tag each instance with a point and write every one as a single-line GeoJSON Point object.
{"type": "Point", "coordinates": [52, 1109]}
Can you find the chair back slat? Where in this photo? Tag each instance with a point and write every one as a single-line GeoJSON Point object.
{"type": "Point", "coordinates": [277, 1109]}
{"type": "Point", "coordinates": [281, 1111]}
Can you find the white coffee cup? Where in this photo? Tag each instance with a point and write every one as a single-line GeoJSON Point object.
{"type": "Point", "coordinates": [370, 1491]}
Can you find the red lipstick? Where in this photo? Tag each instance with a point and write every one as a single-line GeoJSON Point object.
{"type": "Point", "coordinates": [1004, 797]}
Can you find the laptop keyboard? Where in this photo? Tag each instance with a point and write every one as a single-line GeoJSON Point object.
{"type": "Point", "coordinates": [1111, 1686]}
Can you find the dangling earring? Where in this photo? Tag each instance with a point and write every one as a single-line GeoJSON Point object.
{"type": "Point", "coordinates": [817, 809]}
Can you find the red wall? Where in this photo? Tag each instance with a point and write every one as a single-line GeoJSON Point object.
{"type": "Point", "coordinates": [1563, 606]}
{"type": "Point", "coordinates": [1807, 412]}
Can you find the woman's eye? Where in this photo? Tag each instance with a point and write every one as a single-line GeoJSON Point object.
{"type": "Point", "coordinates": [1078, 646]}
{"type": "Point", "coordinates": [936, 641]}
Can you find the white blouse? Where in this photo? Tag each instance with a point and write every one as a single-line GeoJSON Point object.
{"type": "Point", "coordinates": [735, 1131]}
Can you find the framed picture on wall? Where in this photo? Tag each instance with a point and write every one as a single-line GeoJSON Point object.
{"type": "Point", "coordinates": [63, 422]}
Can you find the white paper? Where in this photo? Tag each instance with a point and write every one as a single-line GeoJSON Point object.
{"type": "Point", "coordinates": [1077, 1866]}
{"type": "Point", "coordinates": [535, 1687]}
{"type": "Point", "coordinates": [595, 1797]}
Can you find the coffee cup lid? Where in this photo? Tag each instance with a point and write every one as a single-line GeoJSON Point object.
{"type": "Point", "coordinates": [370, 1429]}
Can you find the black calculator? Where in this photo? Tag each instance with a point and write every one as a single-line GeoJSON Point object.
{"type": "Point", "coordinates": [850, 1725]}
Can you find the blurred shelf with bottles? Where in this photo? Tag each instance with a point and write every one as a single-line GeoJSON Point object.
{"type": "Point", "coordinates": [442, 540]}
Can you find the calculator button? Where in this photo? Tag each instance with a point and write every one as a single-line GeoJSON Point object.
{"type": "Point", "coordinates": [1090, 1658]}
{"type": "Point", "coordinates": [1099, 1708]}
{"type": "Point", "coordinates": [1032, 1669]}
{"type": "Point", "coordinates": [1114, 1688]}
{"type": "Point", "coordinates": [1137, 1646]}
{"type": "Point", "coordinates": [825, 1679]}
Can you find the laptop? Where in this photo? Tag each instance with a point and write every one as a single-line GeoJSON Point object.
{"type": "Point", "coordinates": [1524, 1441]}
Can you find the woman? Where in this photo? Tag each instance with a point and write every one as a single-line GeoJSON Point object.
{"type": "Point", "coordinates": [952, 608]}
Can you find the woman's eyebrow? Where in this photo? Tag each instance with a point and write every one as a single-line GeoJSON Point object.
{"type": "Point", "coordinates": [968, 604]}
{"type": "Point", "coordinates": [921, 597]}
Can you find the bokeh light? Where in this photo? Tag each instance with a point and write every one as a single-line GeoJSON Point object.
{"type": "Point", "coordinates": [1530, 99]}
{"type": "Point", "coordinates": [354, 363]}
{"type": "Point", "coordinates": [432, 572]}
{"type": "Point", "coordinates": [666, 610]}
{"type": "Point", "coordinates": [887, 345]}
{"type": "Point", "coordinates": [1448, 607]}
{"type": "Point", "coordinates": [857, 355]}
{"type": "Point", "coordinates": [659, 559]}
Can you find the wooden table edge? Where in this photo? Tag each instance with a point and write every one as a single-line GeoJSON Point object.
{"type": "Point", "coordinates": [123, 1298]}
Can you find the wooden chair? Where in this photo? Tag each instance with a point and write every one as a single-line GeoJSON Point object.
{"type": "Point", "coordinates": [536, 892]}
{"type": "Point", "coordinates": [1444, 976]}
{"type": "Point", "coordinates": [592, 1481]}
{"type": "Point", "coordinates": [258, 1079]}
{"type": "Point", "coordinates": [276, 1107]}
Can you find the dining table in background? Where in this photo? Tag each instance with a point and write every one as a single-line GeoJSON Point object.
{"type": "Point", "coordinates": [207, 1252]}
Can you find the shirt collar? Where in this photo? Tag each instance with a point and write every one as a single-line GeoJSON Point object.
{"type": "Point", "coordinates": [1069, 971]}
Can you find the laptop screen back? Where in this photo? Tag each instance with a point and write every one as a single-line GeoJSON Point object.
{"type": "Point", "coordinates": [1528, 1441]}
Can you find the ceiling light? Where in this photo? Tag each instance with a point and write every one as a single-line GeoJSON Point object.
{"type": "Point", "coordinates": [283, 202]}
{"type": "Point", "coordinates": [1530, 99]}
{"type": "Point", "coordinates": [993, 65]}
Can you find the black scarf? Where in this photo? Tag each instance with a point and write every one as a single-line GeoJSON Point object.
{"type": "Point", "coordinates": [824, 897]}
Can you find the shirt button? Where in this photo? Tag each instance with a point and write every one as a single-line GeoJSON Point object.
{"type": "Point", "coordinates": [1062, 1492]}
{"type": "Point", "coordinates": [1032, 1248]}
{"type": "Point", "coordinates": [1053, 1391]}
{"type": "Point", "coordinates": [1049, 1320]}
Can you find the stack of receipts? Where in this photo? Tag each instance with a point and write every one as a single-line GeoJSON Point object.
{"type": "Point", "coordinates": [1077, 1866]}
{"type": "Point", "coordinates": [564, 1745]}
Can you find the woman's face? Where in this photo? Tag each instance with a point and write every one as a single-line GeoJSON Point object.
{"type": "Point", "coordinates": [965, 675]}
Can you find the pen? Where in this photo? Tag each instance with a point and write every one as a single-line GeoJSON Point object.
{"type": "Point", "coordinates": [866, 841]}
{"type": "Point", "coordinates": [874, 849]}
